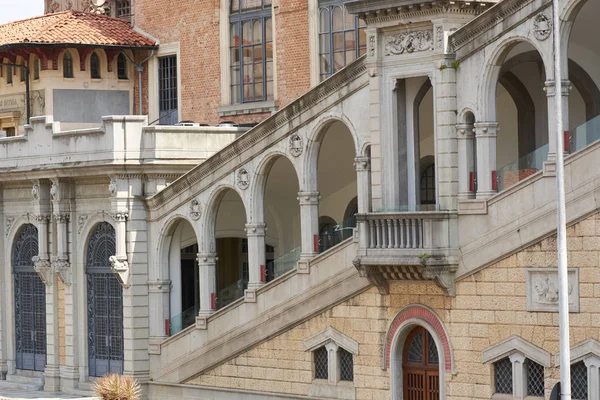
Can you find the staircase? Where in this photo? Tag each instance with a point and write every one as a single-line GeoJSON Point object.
{"type": "Point", "coordinates": [282, 304]}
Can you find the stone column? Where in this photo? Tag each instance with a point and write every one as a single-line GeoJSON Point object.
{"type": "Point", "coordinates": [550, 93]}
{"type": "Point", "coordinates": [593, 367]}
{"type": "Point", "coordinates": [309, 223]}
{"type": "Point", "coordinates": [207, 263]}
{"type": "Point", "coordinates": [466, 162]}
{"type": "Point", "coordinates": [363, 180]}
{"type": "Point", "coordinates": [485, 133]}
{"type": "Point", "coordinates": [158, 299]}
{"type": "Point", "coordinates": [519, 375]}
{"type": "Point", "coordinates": [256, 255]}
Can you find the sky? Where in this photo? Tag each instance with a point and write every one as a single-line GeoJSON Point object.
{"type": "Point", "coordinates": [11, 10]}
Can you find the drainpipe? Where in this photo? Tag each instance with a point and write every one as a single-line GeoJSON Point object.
{"type": "Point", "coordinates": [140, 68]}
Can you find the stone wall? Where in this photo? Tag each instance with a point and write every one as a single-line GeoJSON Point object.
{"type": "Point", "coordinates": [490, 306]}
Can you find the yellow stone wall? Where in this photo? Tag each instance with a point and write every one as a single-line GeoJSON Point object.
{"type": "Point", "coordinates": [489, 307]}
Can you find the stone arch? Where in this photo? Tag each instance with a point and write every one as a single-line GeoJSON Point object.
{"type": "Point", "coordinates": [165, 235]}
{"type": "Point", "coordinates": [103, 62]}
{"type": "Point", "coordinates": [210, 216]}
{"type": "Point", "coordinates": [466, 116]}
{"type": "Point", "coordinates": [403, 323]}
{"type": "Point", "coordinates": [88, 229]}
{"type": "Point", "coordinates": [76, 60]}
{"type": "Point", "coordinates": [571, 9]}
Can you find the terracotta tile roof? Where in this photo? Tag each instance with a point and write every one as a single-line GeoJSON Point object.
{"type": "Point", "coordinates": [72, 28]}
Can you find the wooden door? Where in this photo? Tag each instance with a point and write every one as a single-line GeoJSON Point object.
{"type": "Point", "coordinates": [420, 366]}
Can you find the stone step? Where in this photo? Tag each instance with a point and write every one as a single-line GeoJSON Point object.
{"type": "Point", "coordinates": [16, 382]}
{"type": "Point", "coordinates": [84, 390]}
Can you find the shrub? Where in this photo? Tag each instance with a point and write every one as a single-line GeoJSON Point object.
{"type": "Point", "coordinates": [117, 387]}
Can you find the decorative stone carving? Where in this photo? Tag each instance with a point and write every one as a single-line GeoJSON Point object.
{"type": "Point", "coordinates": [81, 220]}
{"type": "Point", "coordinates": [112, 187]}
{"type": "Point", "coordinates": [296, 145]}
{"type": "Point", "coordinates": [372, 44]}
{"type": "Point", "coordinates": [35, 191]}
{"type": "Point", "coordinates": [542, 289]}
{"type": "Point", "coordinates": [121, 216]}
{"type": "Point", "coordinates": [439, 34]}
{"type": "Point", "coordinates": [98, 7]}
{"type": "Point", "coordinates": [120, 267]}
{"type": "Point", "coordinates": [61, 218]}
{"type": "Point", "coordinates": [443, 276]}
{"type": "Point", "coordinates": [42, 218]}
{"type": "Point", "coordinates": [54, 191]}
{"type": "Point", "coordinates": [62, 268]}
{"type": "Point", "coordinates": [7, 225]}
{"type": "Point", "coordinates": [409, 42]}
{"type": "Point", "coordinates": [542, 27]}
{"type": "Point", "coordinates": [52, 6]}
{"type": "Point", "coordinates": [43, 269]}
{"type": "Point", "coordinates": [243, 179]}
{"type": "Point", "coordinates": [195, 210]}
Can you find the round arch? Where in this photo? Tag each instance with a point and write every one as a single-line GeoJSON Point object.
{"type": "Point", "coordinates": [165, 235]}
{"type": "Point", "coordinates": [211, 212]}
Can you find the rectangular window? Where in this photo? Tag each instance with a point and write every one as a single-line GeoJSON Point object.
{"type": "Point", "coordinates": [36, 68]}
{"type": "Point", "coordinates": [346, 365]}
{"type": "Point", "coordinates": [503, 376]}
{"type": "Point", "coordinates": [167, 90]}
{"type": "Point", "coordinates": [321, 363]}
{"type": "Point", "coordinates": [9, 74]}
{"type": "Point", "coordinates": [10, 132]}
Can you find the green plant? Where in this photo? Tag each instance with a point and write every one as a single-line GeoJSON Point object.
{"type": "Point", "coordinates": [117, 387]}
{"type": "Point", "coordinates": [443, 66]}
{"type": "Point", "coordinates": [454, 64]}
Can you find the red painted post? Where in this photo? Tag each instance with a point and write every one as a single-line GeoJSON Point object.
{"type": "Point", "coordinates": [213, 301]}
{"type": "Point", "coordinates": [471, 181]}
{"type": "Point", "coordinates": [316, 243]}
{"type": "Point", "coordinates": [494, 181]}
{"type": "Point", "coordinates": [567, 137]}
{"type": "Point", "coordinates": [167, 327]}
{"type": "Point", "coordinates": [263, 274]}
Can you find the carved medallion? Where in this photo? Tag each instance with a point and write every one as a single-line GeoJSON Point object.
{"type": "Point", "coordinates": [243, 179]}
{"type": "Point", "coordinates": [542, 27]}
{"type": "Point", "coordinates": [296, 145]}
{"type": "Point", "coordinates": [542, 289]}
{"type": "Point", "coordinates": [195, 210]}
{"type": "Point", "coordinates": [409, 42]}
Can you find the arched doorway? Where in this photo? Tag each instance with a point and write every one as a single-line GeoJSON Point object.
{"type": "Point", "coordinates": [420, 366]}
{"type": "Point", "coordinates": [104, 305]}
{"type": "Point", "coordinates": [30, 303]}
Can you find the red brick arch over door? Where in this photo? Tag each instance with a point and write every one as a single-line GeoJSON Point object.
{"type": "Point", "coordinates": [425, 314]}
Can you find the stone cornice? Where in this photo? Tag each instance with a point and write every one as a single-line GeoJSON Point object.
{"type": "Point", "coordinates": [486, 21]}
{"type": "Point", "coordinates": [266, 128]}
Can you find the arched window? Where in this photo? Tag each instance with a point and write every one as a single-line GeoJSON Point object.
{"type": "Point", "coordinates": [122, 66]}
{"type": "Point", "coordinates": [95, 66]}
{"type": "Point", "coordinates": [342, 37]}
{"type": "Point", "coordinates": [251, 49]}
{"type": "Point", "coordinates": [67, 65]}
{"type": "Point", "coordinates": [428, 185]}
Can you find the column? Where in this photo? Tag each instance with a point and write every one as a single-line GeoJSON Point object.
{"type": "Point", "coordinates": [256, 255]}
{"type": "Point", "coordinates": [309, 223]}
{"type": "Point", "coordinates": [363, 180]}
{"type": "Point", "coordinates": [550, 93]}
{"type": "Point", "coordinates": [593, 367]}
{"type": "Point", "coordinates": [519, 375]}
{"type": "Point", "coordinates": [485, 133]}
{"type": "Point", "coordinates": [60, 262]}
{"type": "Point", "coordinates": [208, 289]}
{"type": "Point", "coordinates": [466, 162]}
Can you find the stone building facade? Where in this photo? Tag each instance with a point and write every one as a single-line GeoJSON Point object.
{"type": "Point", "coordinates": [385, 232]}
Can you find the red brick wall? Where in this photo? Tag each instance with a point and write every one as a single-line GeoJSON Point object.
{"type": "Point", "coordinates": [195, 25]}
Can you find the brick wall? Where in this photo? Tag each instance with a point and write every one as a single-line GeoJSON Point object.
{"type": "Point", "coordinates": [490, 306]}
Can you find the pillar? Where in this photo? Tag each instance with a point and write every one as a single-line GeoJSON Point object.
{"type": "Point", "coordinates": [519, 375]}
{"type": "Point", "coordinates": [466, 162]}
{"type": "Point", "coordinates": [363, 180]}
{"type": "Point", "coordinates": [207, 263]}
{"type": "Point", "coordinates": [485, 133]}
{"type": "Point", "coordinates": [309, 223]}
{"type": "Point", "coordinates": [593, 367]}
{"type": "Point", "coordinates": [550, 93]}
{"type": "Point", "coordinates": [256, 255]}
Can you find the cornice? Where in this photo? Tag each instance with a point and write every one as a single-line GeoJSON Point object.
{"type": "Point", "coordinates": [268, 127]}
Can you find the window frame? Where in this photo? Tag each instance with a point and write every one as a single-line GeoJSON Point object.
{"type": "Point", "coordinates": [125, 75]}
{"type": "Point", "coordinates": [9, 74]}
{"type": "Point", "coordinates": [173, 93]}
{"type": "Point", "coordinates": [36, 68]}
{"type": "Point", "coordinates": [95, 66]}
{"type": "Point", "coordinates": [68, 67]}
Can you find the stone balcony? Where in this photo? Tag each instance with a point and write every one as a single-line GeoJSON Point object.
{"type": "Point", "coordinates": [408, 246]}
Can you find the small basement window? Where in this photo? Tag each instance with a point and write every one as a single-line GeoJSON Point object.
{"type": "Point", "coordinates": [321, 363]}
{"type": "Point", "coordinates": [346, 363]}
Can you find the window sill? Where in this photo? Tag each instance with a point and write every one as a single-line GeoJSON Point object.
{"type": "Point", "coordinates": [248, 108]}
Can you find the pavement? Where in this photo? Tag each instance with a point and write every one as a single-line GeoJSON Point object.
{"type": "Point", "coordinates": [11, 394]}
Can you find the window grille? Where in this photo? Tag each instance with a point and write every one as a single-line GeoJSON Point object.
{"type": "Point", "coordinates": [9, 74]}
{"type": "Point", "coordinates": [67, 65]}
{"type": "Point", "coordinates": [123, 8]}
{"type": "Point", "coordinates": [503, 376]}
{"type": "Point", "coordinates": [579, 384]}
{"type": "Point", "coordinates": [36, 68]}
{"type": "Point", "coordinates": [432, 352]}
{"type": "Point", "coordinates": [95, 66]}
{"type": "Point", "coordinates": [321, 363]}
{"type": "Point", "coordinates": [346, 365]}
{"type": "Point", "coordinates": [415, 349]}
{"type": "Point", "coordinates": [167, 90]}
{"type": "Point", "coordinates": [251, 51]}
{"type": "Point", "coordinates": [535, 379]}
{"type": "Point", "coordinates": [428, 185]}
{"type": "Point", "coordinates": [122, 66]}
{"type": "Point", "coordinates": [342, 37]}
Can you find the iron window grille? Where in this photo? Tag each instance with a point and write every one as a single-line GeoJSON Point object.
{"type": "Point", "coordinates": [321, 363]}
{"type": "Point", "coordinates": [535, 379]}
{"type": "Point", "coordinates": [123, 8]}
{"type": "Point", "coordinates": [167, 90]}
{"type": "Point", "coordinates": [95, 66]}
{"type": "Point", "coordinates": [122, 66]}
{"type": "Point", "coordinates": [503, 376]}
{"type": "Point", "coordinates": [579, 381]}
{"type": "Point", "coordinates": [36, 68]}
{"type": "Point", "coordinates": [67, 65]}
{"type": "Point", "coordinates": [346, 365]}
{"type": "Point", "coordinates": [9, 74]}
{"type": "Point", "coordinates": [342, 37]}
{"type": "Point", "coordinates": [251, 51]}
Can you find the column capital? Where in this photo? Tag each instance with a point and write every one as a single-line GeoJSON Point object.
{"type": "Point", "coordinates": [42, 218]}
{"type": "Point", "coordinates": [121, 216]}
{"type": "Point", "coordinates": [362, 163]}
{"type": "Point", "coordinates": [550, 87]}
{"type": "Point", "coordinates": [256, 229]}
{"type": "Point", "coordinates": [465, 131]}
{"type": "Point", "coordinates": [206, 259]}
{"type": "Point", "coordinates": [310, 198]}
{"type": "Point", "coordinates": [486, 129]}
{"type": "Point", "coordinates": [61, 218]}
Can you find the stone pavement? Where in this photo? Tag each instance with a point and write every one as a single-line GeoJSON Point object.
{"type": "Point", "coordinates": [11, 394]}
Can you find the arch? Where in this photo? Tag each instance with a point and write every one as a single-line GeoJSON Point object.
{"type": "Point", "coordinates": [467, 116]}
{"type": "Point", "coordinates": [211, 212]}
{"type": "Point", "coordinates": [571, 9]}
{"type": "Point", "coordinates": [95, 66]}
{"type": "Point", "coordinates": [493, 67]}
{"type": "Point", "coordinates": [68, 64]}
{"type": "Point", "coordinates": [351, 210]}
{"type": "Point", "coordinates": [88, 228]}
{"type": "Point", "coordinates": [25, 246]}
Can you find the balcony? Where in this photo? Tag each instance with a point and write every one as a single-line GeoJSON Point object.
{"type": "Point", "coordinates": [407, 246]}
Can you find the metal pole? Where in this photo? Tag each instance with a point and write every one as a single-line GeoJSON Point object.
{"type": "Point", "coordinates": [565, 351]}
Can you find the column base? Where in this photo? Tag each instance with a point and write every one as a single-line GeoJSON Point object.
{"type": "Point", "coordinates": [69, 377]}
{"type": "Point", "coordinates": [11, 367]}
{"type": "Point", "coordinates": [3, 370]}
{"type": "Point", "coordinates": [52, 378]}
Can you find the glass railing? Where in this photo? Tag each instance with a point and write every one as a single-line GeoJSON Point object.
{"type": "Point", "coordinates": [336, 234]}
{"type": "Point", "coordinates": [183, 320]}
{"type": "Point", "coordinates": [283, 264]}
{"type": "Point", "coordinates": [231, 293]}
{"type": "Point", "coordinates": [525, 166]}
{"type": "Point", "coordinates": [584, 135]}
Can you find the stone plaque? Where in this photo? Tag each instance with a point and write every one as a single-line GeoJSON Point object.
{"type": "Point", "coordinates": [542, 289]}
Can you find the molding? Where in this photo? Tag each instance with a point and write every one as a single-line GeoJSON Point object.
{"type": "Point", "coordinates": [582, 350]}
{"type": "Point", "coordinates": [43, 269]}
{"type": "Point", "coordinates": [329, 335]}
{"type": "Point", "coordinates": [513, 345]}
{"type": "Point", "coordinates": [248, 108]}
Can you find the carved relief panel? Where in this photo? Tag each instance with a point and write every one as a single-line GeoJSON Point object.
{"type": "Point", "coordinates": [542, 289]}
